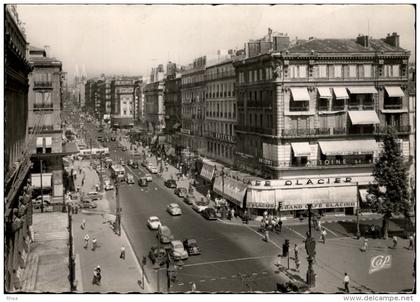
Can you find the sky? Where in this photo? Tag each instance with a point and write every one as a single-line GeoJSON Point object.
{"type": "Point", "coordinates": [130, 39]}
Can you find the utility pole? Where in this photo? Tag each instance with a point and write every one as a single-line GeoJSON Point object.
{"type": "Point", "coordinates": [42, 196]}
{"type": "Point", "coordinates": [118, 209]}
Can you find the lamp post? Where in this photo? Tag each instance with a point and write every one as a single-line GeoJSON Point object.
{"type": "Point", "coordinates": [42, 196]}
{"type": "Point", "coordinates": [358, 213]}
{"type": "Point", "coordinates": [118, 208]}
{"type": "Point", "coordinates": [310, 250]}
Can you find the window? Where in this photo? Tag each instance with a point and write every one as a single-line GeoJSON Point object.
{"type": "Point", "coordinates": [352, 71]}
{"type": "Point", "coordinates": [322, 71]}
{"type": "Point", "coordinates": [261, 76]}
{"type": "Point", "coordinates": [337, 71]}
{"type": "Point", "coordinates": [367, 70]}
{"type": "Point", "coordinates": [395, 70]}
{"type": "Point", "coordinates": [302, 71]}
{"type": "Point", "coordinates": [250, 76]}
{"type": "Point", "coordinates": [255, 75]}
{"type": "Point", "coordinates": [293, 71]}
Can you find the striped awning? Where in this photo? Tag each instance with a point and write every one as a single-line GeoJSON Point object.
{"type": "Point", "coordinates": [362, 89]}
{"type": "Point", "coordinates": [394, 91]}
{"type": "Point", "coordinates": [207, 172]}
{"type": "Point", "coordinates": [340, 93]}
{"type": "Point", "coordinates": [348, 147]}
{"type": "Point", "coordinates": [324, 92]}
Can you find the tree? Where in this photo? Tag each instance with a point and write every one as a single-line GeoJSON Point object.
{"type": "Point", "coordinates": [389, 194]}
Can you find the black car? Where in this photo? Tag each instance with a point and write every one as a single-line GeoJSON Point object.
{"type": "Point", "coordinates": [135, 165]}
{"type": "Point", "coordinates": [142, 182]}
{"type": "Point", "coordinates": [372, 231]}
{"type": "Point", "coordinates": [124, 148]}
{"type": "Point", "coordinates": [157, 255]}
{"type": "Point", "coordinates": [190, 199]}
{"type": "Point", "coordinates": [170, 183]}
{"type": "Point", "coordinates": [209, 214]}
{"type": "Point", "coordinates": [191, 247]}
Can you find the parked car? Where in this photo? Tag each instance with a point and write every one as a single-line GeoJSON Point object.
{"type": "Point", "coordinates": [170, 183]}
{"type": "Point", "coordinates": [108, 185]}
{"type": "Point", "coordinates": [157, 255]}
{"type": "Point", "coordinates": [46, 198]}
{"type": "Point", "coordinates": [94, 195]}
{"type": "Point", "coordinates": [153, 222]}
{"type": "Point", "coordinates": [142, 182]}
{"type": "Point", "coordinates": [130, 179]}
{"type": "Point", "coordinates": [209, 214]}
{"type": "Point", "coordinates": [177, 250]}
{"type": "Point", "coordinates": [181, 192]}
{"type": "Point", "coordinates": [164, 234]}
{"type": "Point", "coordinates": [190, 199]}
{"type": "Point", "coordinates": [148, 177]}
{"type": "Point", "coordinates": [174, 209]}
{"type": "Point", "coordinates": [135, 165]}
{"type": "Point", "coordinates": [130, 163]}
{"type": "Point", "coordinates": [191, 246]}
{"type": "Point", "coordinates": [152, 169]}
{"type": "Point", "coordinates": [87, 204]}
{"type": "Point", "coordinates": [199, 206]}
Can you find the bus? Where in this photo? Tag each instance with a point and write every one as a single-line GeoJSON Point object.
{"type": "Point", "coordinates": [118, 172]}
{"type": "Point", "coordinates": [94, 152]}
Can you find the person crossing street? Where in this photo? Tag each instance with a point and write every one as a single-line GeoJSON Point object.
{"type": "Point", "coordinates": [86, 241]}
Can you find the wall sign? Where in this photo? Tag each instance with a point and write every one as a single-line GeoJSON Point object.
{"type": "Point", "coordinates": [318, 205]}
{"type": "Point", "coordinates": [318, 181]}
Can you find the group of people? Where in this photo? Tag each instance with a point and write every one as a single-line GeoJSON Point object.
{"type": "Point", "coordinates": [271, 223]}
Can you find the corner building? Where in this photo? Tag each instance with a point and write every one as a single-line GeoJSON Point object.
{"type": "Point", "coordinates": [311, 117]}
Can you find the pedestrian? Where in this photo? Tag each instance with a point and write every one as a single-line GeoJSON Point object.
{"type": "Point", "coordinates": [83, 224]}
{"type": "Point", "coordinates": [193, 287]}
{"type": "Point", "coordinates": [319, 224]}
{"type": "Point", "coordinates": [279, 224]}
{"type": "Point", "coordinates": [297, 263]}
{"type": "Point", "coordinates": [83, 182]}
{"type": "Point", "coordinates": [411, 242]}
{"type": "Point", "coordinates": [232, 213]}
{"type": "Point", "coordinates": [93, 243]}
{"type": "Point", "coordinates": [97, 187]}
{"type": "Point", "coordinates": [323, 236]}
{"type": "Point", "coordinates": [122, 254]}
{"type": "Point", "coordinates": [265, 214]}
{"type": "Point", "coordinates": [346, 283]}
{"type": "Point", "coordinates": [266, 237]}
{"type": "Point", "coordinates": [395, 242]}
{"type": "Point", "coordinates": [86, 241]}
{"type": "Point", "coordinates": [364, 245]}
{"type": "Point", "coordinates": [296, 250]}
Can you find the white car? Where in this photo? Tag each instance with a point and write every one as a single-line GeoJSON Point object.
{"type": "Point", "coordinates": [174, 209]}
{"type": "Point", "coordinates": [153, 222]}
{"type": "Point", "coordinates": [178, 251]}
{"type": "Point", "coordinates": [130, 179]}
{"type": "Point", "coordinates": [152, 169]}
{"type": "Point", "coordinates": [199, 206]}
{"type": "Point", "coordinates": [108, 185]}
{"type": "Point", "coordinates": [148, 177]}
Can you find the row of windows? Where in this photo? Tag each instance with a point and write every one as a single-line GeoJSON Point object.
{"type": "Point", "coordinates": [221, 90]}
{"type": "Point", "coordinates": [265, 96]}
{"type": "Point", "coordinates": [196, 78]}
{"type": "Point", "coordinates": [256, 120]}
{"type": "Point", "coordinates": [43, 100]}
{"type": "Point", "coordinates": [223, 128]}
{"type": "Point", "coordinates": [221, 109]}
{"type": "Point", "coordinates": [256, 75]}
{"type": "Point", "coordinates": [220, 150]}
{"type": "Point", "coordinates": [220, 71]}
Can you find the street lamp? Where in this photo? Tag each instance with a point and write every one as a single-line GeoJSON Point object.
{"type": "Point", "coordinates": [310, 245]}
{"type": "Point", "coordinates": [117, 227]}
{"type": "Point", "coordinates": [358, 213]}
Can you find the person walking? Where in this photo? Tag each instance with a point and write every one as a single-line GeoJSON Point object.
{"type": "Point", "coordinates": [122, 253]}
{"type": "Point", "coordinates": [83, 224]}
{"type": "Point", "coordinates": [232, 213]}
{"type": "Point", "coordinates": [266, 237]}
{"type": "Point", "coordinates": [93, 243]}
{"type": "Point", "coordinates": [297, 264]}
{"type": "Point", "coordinates": [411, 242]}
{"type": "Point", "coordinates": [296, 250]}
{"type": "Point", "coordinates": [395, 242]}
{"type": "Point", "coordinates": [346, 283]}
{"type": "Point", "coordinates": [364, 245]}
{"type": "Point", "coordinates": [323, 236]}
{"type": "Point", "coordinates": [86, 241]}
{"type": "Point", "coordinates": [193, 287]}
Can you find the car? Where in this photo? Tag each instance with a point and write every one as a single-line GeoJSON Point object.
{"type": "Point", "coordinates": [124, 148]}
{"type": "Point", "coordinates": [157, 255]}
{"type": "Point", "coordinates": [135, 165]}
{"type": "Point", "coordinates": [145, 163]}
{"type": "Point", "coordinates": [153, 222]}
{"type": "Point", "coordinates": [190, 199]}
{"type": "Point", "coordinates": [130, 163]}
{"type": "Point", "coordinates": [209, 214]}
{"type": "Point", "coordinates": [178, 251]}
{"type": "Point", "coordinates": [164, 234]}
{"type": "Point", "coordinates": [129, 179]}
{"type": "Point", "coordinates": [174, 209]}
{"type": "Point", "coordinates": [108, 185]}
{"type": "Point", "coordinates": [37, 203]}
{"type": "Point", "coordinates": [181, 192]}
{"type": "Point", "coordinates": [142, 182]}
{"type": "Point", "coordinates": [148, 177]}
{"type": "Point", "coordinates": [87, 204]}
{"type": "Point", "coordinates": [152, 169]}
{"type": "Point", "coordinates": [199, 206]}
{"type": "Point", "coordinates": [191, 246]}
{"type": "Point", "coordinates": [170, 183]}
{"type": "Point", "coordinates": [94, 195]}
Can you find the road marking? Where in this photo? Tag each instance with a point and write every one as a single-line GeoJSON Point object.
{"type": "Point", "coordinates": [180, 284]}
{"type": "Point", "coordinates": [300, 235]}
{"type": "Point", "coordinates": [213, 279]}
{"type": "Point", "coordinates": [229, 260]}
{"type": "Point", "coordinates": [202, 280]}
{"type": "Point", "coordinates": [330, 231]}
{"type": "Point", "coordinates": [264, 273]}
{"type": "Point", "coordinates": [256, 232]}
{"type": "Point", "coordinates": [233, 276]}
{"type": "Point", "coordinates": [223, 278]}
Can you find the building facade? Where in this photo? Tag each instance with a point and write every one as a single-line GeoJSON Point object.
{"type": "Point", "coordinates": [154, 109]}
{"type": "Point", "coordinates": [44, 121]}
{"type": "Point", "coordinates": [104, 94]}
{"type": "Point", "coordinates": [122, 102]}
{"type": "Point", "coordinates": [17, 191]}
{"type": "Point", "coordinates": [172, 99]}
{"type": "Point", "coordinates": [310, 120]}
{"type": "Point", "coordinates": [220, 103]}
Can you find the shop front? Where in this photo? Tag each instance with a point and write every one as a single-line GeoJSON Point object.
{"type": "Point", "coordinates": [232, 190]}
{"type": "Point", "coordinates": [207, 171]}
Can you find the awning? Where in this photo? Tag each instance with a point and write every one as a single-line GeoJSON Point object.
{"type": "Point", "coordinates": [261, 199]}
{"type": "Point", "coordinates": [233, 190]}
{"type": "Point", "coordinates": [301, 149]}
{"type": "Point", "coordinates": [39, 142]}
{"type": "Point", "coordinates": [348, 147]}
{"type": "Point", "coordinates": [48, 142]}
{"type": "Point", "coordinates": [318, 197]}
{"type": "Point", "coordinates": [340, 93]}
{"type": "Point", "coordinates": [300, 94]}
{"type": "Point", "coordinates": [46, 180]}
{"type": "Point", "coordinates": [364, 117]}
{"type": "Point", "coordinates": [394, 110]}
{"type": "Point", "coordinates": [207, 172]}
{"type": "Point", "coordinates": [324, 92]}
{"type": "Point", "coordinates": [362, 90]}
{"type": "Point", "coordinates": [394, 91]}
{"type": "Point", "coordinates": [176, 125]}
{"type": "Point", "coordinates": [363, 194]}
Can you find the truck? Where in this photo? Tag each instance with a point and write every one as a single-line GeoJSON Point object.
{"type": "Point", "coordinates": [118, 172]}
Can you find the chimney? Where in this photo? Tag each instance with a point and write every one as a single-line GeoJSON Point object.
{"type": "Point", "coordinates": [270, 31]}
{"type": "Point", "coordinates": [393, 40]}
{"type": "Point", "coordinates": [363, 40]}
{"type": "Point", "coordinates": [280, 42]}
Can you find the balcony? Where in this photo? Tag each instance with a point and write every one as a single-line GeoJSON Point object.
{"type": "Point", "coordinates": [316, 164]}
{"type": "Point", "coordinates": [249, 129]}
{"type": "Point", "coordinates": [388, 105]}
{"type": "Point", "coordinates": [323, 108]}
{"type": "Point", "coordinates": [43, 84]}
{"type": "Point", "coordinates": [43, 107]}
{"type": "Point", "coordinates": [221, 136]}
{"type": "Point", "coordinates": [298, 108]}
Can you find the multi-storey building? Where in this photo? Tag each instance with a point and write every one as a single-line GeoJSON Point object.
{"type": "Point", "coordinates": [89, 95]}
{"type": "Point", "coordinates": [104, 99]}
{"type": "Point", "coordinates": [139, 102]}
{"type": "Point", "coordinates": [122, 102]}
{"type": "Point", "coordinates": [154, 108]}
{"type": "Point", "coordinates": [193, 90]}
{"type": "Point", "coordinates": [17, 195]}
{"type": "Point", "coordinates": [44, 120]}
{"type": "Point", "coordinates": [220, 109]}
{"type": "Point", "coordinates": [412, 123]}
{"type": "Point", "coordinates": [311, 116]}
{"type": "Point", "coordinates": [172, 99]}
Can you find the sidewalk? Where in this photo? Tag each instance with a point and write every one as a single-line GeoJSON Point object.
{"type": "Point", "coordinates": [118, 275]}
{"type": "Point", "coordinates": [47, 267]}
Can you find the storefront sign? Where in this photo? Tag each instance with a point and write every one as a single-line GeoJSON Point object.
{"type": "Point", "coordinates": [319, 181]}
{"type": "Point", "coordinates": [319, 205]}
{"type": "Point", "coordinates": [259, 205]}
